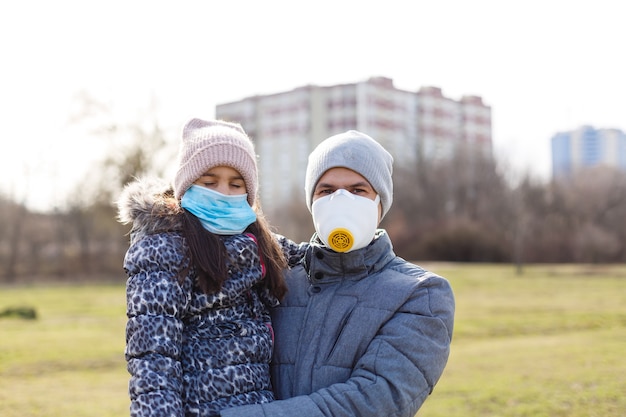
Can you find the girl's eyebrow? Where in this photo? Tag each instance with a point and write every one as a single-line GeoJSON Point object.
{"type": "Point", "coordinates": [209, 174]}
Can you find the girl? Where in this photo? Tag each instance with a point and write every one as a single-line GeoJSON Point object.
{"type": "Point", "coordinates": [203, 269]}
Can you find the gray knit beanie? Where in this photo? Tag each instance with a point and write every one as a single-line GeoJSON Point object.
{"type": "Point", "coordinates": [360, 153]}
{"type": "Point", "coordinates": [208, 144]}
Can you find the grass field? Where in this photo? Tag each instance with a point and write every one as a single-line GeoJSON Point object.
{"type": "Point", "coordinates": [550, 342]}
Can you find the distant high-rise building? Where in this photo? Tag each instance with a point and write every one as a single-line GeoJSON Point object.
{"type": "Point", "coordinates": [587, 147]}
{"type": "Point", "coordinates": [287, 126]}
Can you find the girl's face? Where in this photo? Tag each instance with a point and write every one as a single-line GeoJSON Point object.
{"type": "Point", "coordinates": [225, 180]}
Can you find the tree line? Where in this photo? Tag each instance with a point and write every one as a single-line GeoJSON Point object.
{"type": "Point", "coordinates": [464, 209]}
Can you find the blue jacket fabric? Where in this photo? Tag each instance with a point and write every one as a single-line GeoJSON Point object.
{"type": "Point", "coordinates": [191, 353]}
{"type": "Point", "coordinates": [363, 333]}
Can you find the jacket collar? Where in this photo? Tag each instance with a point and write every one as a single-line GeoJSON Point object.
{"type": "Point", "coordinates": [149, 205]}
{"type": "Point", "coordinates": [326, 266]}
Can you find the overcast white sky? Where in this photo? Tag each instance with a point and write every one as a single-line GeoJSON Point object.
{"type": "Point", "coordinates": [542, 65]}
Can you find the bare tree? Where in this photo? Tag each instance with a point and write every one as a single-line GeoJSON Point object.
{"type": "Point", "coordinates": [456, 208]}
{"type": "Point", "coordinates": [462, 209]}
{"type": "Point", "coordinates": [15, 217]}
{"type": "Point", "coordinates": [292, 218]}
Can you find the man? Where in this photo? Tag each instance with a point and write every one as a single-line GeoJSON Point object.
{"type": "Point", "coordinates": [361, 332]}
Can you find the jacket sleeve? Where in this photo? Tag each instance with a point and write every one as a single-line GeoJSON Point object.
{"type": "Point", "coordinates": [294, 252]}
{"type": "Point", "coordinates": [155, 304]}
{"type": "Point", "coordinates": [397, 371]}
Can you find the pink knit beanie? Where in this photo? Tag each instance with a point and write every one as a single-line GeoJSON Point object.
{"type": "Point", "coordinates": [208, 144]}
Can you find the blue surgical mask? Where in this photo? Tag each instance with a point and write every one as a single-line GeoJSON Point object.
{"type": "Point", "coordinates": [219, 213]}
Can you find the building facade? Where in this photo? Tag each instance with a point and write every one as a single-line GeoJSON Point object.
{"type": "Point", "coordinates": [587, 147]}
{"type": "Point", "coordinates": [411, 125]}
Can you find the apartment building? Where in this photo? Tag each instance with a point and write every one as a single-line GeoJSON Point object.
{"type": "Point", "coordinates": [587, 147]}
{"type": "Point", "coordinates": [286, 126]}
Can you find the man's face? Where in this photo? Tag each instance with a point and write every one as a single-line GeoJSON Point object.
{"type": "Point", "coordinates": [344, 178]}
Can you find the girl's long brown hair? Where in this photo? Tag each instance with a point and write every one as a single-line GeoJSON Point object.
{"type": "Point", "coordinates": [208, 254]}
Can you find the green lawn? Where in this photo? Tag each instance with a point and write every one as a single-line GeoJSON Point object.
{"type": "Point", "coordinates": [550, 342]}
{"type": "Point", "coordinates": [69, 361]}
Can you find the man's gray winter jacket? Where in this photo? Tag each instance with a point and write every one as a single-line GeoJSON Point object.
{"type": "Point", "coordinates": [363, 333]}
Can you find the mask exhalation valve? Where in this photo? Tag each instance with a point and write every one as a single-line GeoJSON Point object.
{"type": "Point", "coordinates": [340, 240]}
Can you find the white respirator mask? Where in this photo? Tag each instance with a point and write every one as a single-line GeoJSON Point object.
{"type": "Point", "coordinates": [344, 221]}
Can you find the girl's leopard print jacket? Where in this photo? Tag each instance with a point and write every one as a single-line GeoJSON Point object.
{"type": "Point", "coordinates": [189, 353]}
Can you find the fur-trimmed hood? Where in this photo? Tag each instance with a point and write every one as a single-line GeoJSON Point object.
{"type": "Point", "coordinates": [150, 205]}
